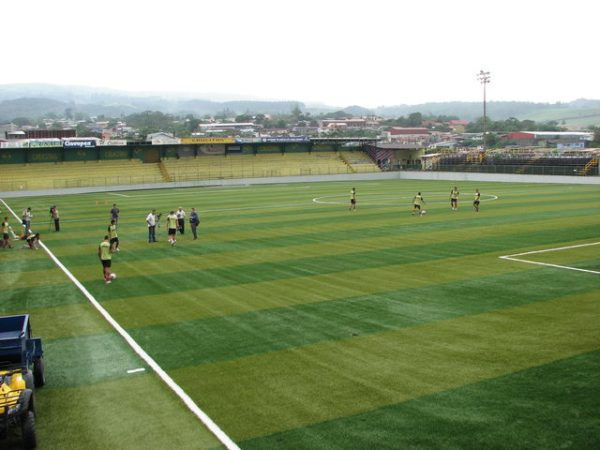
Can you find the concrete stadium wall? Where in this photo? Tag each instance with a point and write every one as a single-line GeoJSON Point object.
{"type": "Point", "coordinates": [445, 176]}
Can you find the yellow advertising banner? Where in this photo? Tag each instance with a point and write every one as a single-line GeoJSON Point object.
{"type": "Point", "coordinates": [208, 140]}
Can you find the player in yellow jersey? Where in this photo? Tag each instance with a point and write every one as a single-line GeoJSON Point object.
{"type": "Point", "coordinates": [6, 228]}
{"type": "Point", "coordinates": [353, 199]}
{"type": "Point", "coordinates": [105, 255]}
{"type": "Point", "coordinates": [454, 199]}
{"type": "Point", "coordinates": [418, 201]}
{"type": "Point", "coordinates": [114, 238]}
{"type": "Point", "coordinates": [477, 200]}
{"type": "Point", "coordinates": [172, 227]}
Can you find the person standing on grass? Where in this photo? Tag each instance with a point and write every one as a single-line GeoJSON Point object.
{"type": "Point", "coordinates": [353, 199]}
{"type": "Point", "coordinates": [417, 202]}
{"type": "Point", "coordinates": [114, 214]}
{"type": "Point", "coordinates": [6, 229]}
{"type": "Point", "coordinates": [172, 227]}
{"type": "Point", "coordinates": [105, 256]}
{"type": "Point", "coordinates": [454, 199]}
{"type": "Point", "coordinates": [181, 220]}
{"type": "Point", "coordinates": [114, 238]}
{"type": "Point", "coordinates": [27, 216]}
{"type": "Point", "coordinates": [194, 222]}
{"type": "Point", "coordinates": [477, 200]}
{"type": "Point", "coordinates": [151, 221]}
{"type": "Point", "coordinates": [55, 218]}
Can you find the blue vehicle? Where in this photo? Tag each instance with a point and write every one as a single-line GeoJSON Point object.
{"type": "Point", "coordinates": [21, 368]}
{"type": "Point", "coordinates": [19, 350]}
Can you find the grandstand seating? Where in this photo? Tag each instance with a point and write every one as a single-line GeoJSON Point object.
{"type": "Point", "coordinates": [77, 174]}
{"type": "Point", "coordinates": [260, 165]}
{"type": "Point", "coordinates": [519, 161]}
{"type": "Point", "coordinates": [359, 161]}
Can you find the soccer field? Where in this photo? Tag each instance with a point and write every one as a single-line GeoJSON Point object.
{"type": "Point", "coordinates": [295, 323]}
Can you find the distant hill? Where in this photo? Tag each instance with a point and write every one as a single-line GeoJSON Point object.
{"type": "Point", "coordinates": [36, 100]}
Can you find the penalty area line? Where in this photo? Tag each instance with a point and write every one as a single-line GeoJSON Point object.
{"type": "Point", "coordinates": [166, 378]}
{"type": "Point", "coordinates": [557, 266]}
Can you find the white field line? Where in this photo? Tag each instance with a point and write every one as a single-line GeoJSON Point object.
{"type": "Point", "coordinates": [557, 249]}
{"type": "Point", "coordinates": [187, 400]}
{"type": "Point", "coordinates": [117, 194]}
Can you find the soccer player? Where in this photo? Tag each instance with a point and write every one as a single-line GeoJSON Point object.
{"type": "Point", "coordinates": [477, 200]}
{"type": "Point", "coordinates": [180, 220]}
{"type": "Point", "coordinates": [353, 199]}
{"type": "Point", "coordinates": [417, 202]}
{"type": "Point", "coordinates": [454, 199]}
{"type": "Point", "coordinates": [114, 214]}
{"type": "Point", "coordinates": [6, 228]}
{"type": "Point", "coordinates": [32, 240]}
{"type": "Point", "coordinates": [114, 238]}
{"type": "Point", "coordinates": [151, 221]}
{"type": "Point", "coordinates": [172, 227]}
{"type": "Point", "coordinates": [194, 222]}
{"type": "Point", "coordinates": [105, 255]}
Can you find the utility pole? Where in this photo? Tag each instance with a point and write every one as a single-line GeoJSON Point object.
{"type": "Point", "coordinates": [484, 78]}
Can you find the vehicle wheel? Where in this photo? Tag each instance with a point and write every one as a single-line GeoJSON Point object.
{"type": "Point", "coordinates": [28, 431]}
{"type": "Point", "coordinates": [38, 372]}
{"type": "Point", "coordinates": [29, 384]}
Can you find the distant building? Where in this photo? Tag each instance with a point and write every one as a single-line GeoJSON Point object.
{"type": "Point", "coordinates": [343, 123]}
{"type": "Point", "coordinates": [50, 134]}
{"type": "Point", "coordinates": [419, 136]}
{"type": "Point", "coordinates": [162, 138]}
{"type": "Point", "coordinates": [556, 139]}
{"type": "Point", "coordinates": [458, 126]}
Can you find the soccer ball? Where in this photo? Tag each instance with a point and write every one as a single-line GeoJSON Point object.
{"type": "Point", "coordinates": [423, 212]}
{"type": "Point", "coordinates": [113, 276]}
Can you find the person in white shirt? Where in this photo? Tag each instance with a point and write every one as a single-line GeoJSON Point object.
{"type": "Point", "coordinates": [180, 220]}
{"type": "Point", "coordinates": [27, 216]}
{"type": "Point", "coordinates": [151, 221]}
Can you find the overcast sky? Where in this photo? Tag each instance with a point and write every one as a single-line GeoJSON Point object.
{"type": "Point", "coordinates": [338, 52]}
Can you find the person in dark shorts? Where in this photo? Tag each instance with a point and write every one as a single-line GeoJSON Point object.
{"type": "Point", "coordinates": [454, 199]}
{"type": "Point", "coordinates": [353, 199]}
{"type": "Point", "coordinates": [477, 200]}
{"type": "Point", "coordinates": [194, 222]}
{"type": "Point", "coordinates": [6, 229]}
{"type": "Point", "coordinates": [172, 228]}
{"type": "Point", "coordinates": [417, 202]}
{"type": "Point", "coordinates": [114, 214]}
{"type": "Point", "coordinates": [105, 256]}
{"type": "Point", "coordinates": [114, 238]}
{"type": "Point", "coordinates": [54, 216]}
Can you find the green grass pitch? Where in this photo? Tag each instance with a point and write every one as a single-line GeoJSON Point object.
{"type": "Point", "coordinates": [295, 323]}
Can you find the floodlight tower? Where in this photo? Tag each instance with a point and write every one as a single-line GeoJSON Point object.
{"type": "Point", "coordinates": [484, 78]}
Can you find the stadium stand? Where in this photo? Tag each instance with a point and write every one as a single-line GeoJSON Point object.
{"type": "Point", "coordinates": [262, 165]}
{"type": "Point", "coordinates": [359, 161]}
{"type": "Point", "coordinates": [77, 174]}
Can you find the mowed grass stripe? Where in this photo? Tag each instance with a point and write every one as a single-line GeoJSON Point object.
{"type": "Point", "coordinates": [307, 267]}
{"type": "Point", "coordinates": [159, 260]}
{"type": "Point", "coordinates": [295, 388]}
{"type": "Point", "coordinates": [557, 407]}
{"type": "Point", "coordinates": [128, 413]}
{"type": "Point", "coordinates": [239, 298]}
{"type": "Point", "coordinates": [234, 336]}
{"type": "Point", "coordinates": [299, 221]}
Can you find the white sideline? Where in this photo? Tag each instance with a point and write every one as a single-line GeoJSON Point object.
{"type": "Point", "coordinates": [512, 257]}
{"type": "Point", "coordinates": [207, 421]}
